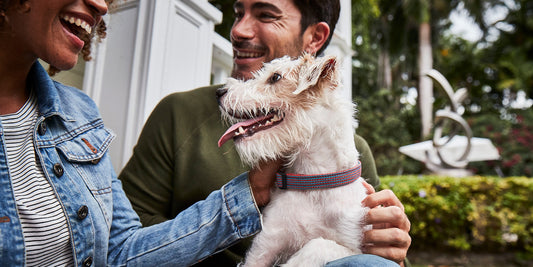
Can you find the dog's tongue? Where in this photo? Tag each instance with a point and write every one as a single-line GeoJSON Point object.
{"type": "Point", "coordinates": [230, 133]}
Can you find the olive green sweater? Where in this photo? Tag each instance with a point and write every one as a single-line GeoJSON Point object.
{"type": "Point", "coordinates": [177, 162]}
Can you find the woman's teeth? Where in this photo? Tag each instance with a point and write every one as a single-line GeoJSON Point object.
{"type": "Point", "coordinates": [78, 22]}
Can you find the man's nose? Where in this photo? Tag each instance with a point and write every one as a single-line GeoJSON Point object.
{"type": "Point", "coordinates": [242, 29]}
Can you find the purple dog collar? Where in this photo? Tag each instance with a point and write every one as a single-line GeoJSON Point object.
{"type": "Point", "coordinates": [318, 181]}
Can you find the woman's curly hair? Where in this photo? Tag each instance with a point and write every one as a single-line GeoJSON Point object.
{"type": "Point", "coordinates": [100, 32]}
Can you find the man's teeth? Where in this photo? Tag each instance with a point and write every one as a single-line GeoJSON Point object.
{"type": "Point", "coordinates": [78, 22]}
{"type": "Point", "coordinates": [248, 54]}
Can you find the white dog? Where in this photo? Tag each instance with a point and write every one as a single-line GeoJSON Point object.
{"type": "Point", "coordinates": [292, 109]}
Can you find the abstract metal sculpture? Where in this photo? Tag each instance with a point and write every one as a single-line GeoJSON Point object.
{"type": "Point", "coordinates": [450, 154]}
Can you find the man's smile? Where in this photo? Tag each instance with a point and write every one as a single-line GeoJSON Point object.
{"type": "Point", "coordinates": [247, 54]}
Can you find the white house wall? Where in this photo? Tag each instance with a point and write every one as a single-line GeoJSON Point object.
{"type": "Point", "coordinates": [153, 48]}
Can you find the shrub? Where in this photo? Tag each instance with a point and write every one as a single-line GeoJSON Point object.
{"type": "Point", "coordinates": [473, 213]}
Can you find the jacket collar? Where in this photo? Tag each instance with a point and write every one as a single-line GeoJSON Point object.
{"type": "Point", "coordinates": [48, 98]}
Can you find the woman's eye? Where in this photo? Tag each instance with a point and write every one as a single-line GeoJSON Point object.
{"type": "Point", "coordinates": [274, 78]}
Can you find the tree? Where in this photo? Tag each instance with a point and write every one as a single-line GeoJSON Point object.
{"type": "Point", "coordinates": [421, 11]}
{"type": "Point", "coordinates": [226, 6]}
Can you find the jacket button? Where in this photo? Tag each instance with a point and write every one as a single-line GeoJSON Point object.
{"type": "Point", "coordinates": [88, 261]}
{"type": "Point", "coordinates": [83, 211]}
{"type": "Point", "coordinates": [58, 170]}
{"type": "Point", "coordinates": [42, 128]}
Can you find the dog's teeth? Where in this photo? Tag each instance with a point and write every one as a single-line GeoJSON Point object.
{"type": "Point", "coordinates": [241, 130]}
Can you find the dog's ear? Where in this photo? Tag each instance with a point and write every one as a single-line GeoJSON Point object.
{"type": "Point", "coordinates": [314, 71]}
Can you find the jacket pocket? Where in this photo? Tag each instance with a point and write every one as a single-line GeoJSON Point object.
{"type": "Point", "coordinates": [87, 154]}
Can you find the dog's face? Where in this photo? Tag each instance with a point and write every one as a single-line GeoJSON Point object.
{"type": "Point", "coordinates": [275, 113]}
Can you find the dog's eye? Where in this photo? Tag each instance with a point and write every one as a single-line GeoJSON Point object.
{"type": "Point", "coordinates": [274, 78]}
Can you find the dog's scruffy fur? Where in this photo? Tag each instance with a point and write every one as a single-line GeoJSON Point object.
{"type": "Point", "coordinates": [299, 115]}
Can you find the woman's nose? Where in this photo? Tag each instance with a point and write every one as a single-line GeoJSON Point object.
{"type": "Point", "coordinates": [99, 6]}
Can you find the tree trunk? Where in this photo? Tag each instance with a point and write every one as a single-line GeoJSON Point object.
{"type": "Point", "coordinates": [384, 70]}
{"type": "Point", "coordinates": [425, 90]}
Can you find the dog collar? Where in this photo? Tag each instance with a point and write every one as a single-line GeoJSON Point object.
{"type": "Point", "coordinates": [317, 181]}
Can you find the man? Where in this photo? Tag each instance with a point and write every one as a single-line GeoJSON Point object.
{"type": "Point", "coordinates": [176, 161]}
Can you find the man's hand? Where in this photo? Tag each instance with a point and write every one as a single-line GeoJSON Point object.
{"type": "Point", "coordinates": [262, 178]}
{"type": "Point", "coordinates": [389, 237]}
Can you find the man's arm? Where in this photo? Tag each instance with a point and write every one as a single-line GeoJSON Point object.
{"type": "Point", "coordinates": [148, 176]}
{"type": "Point", "coordinates": [389, 237]}
{"type": "Point", "coordinates": [368, 169]}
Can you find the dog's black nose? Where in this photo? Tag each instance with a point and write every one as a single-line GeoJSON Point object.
{"type": "Point", "coordinates": [220, 92]}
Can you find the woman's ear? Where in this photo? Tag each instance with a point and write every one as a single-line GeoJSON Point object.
{"type": "Point", "coordinates": [315, 36]}
{"type": "Point", "coordinates": [23, 7]}
{"type": "Point", "coordinates": [18, 6]}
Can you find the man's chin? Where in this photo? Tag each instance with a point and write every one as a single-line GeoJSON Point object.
{"type": "Point", "coordinates": [241, 74]}
{"type": "Point", "coordinates": [243, 68]}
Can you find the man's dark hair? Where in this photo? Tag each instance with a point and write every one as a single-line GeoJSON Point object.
{"type": "Point", "coordinates": [315, 11]}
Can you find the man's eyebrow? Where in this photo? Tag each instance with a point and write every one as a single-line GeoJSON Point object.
{"type": "Point", "coordinates": [258, 5]}
{"type": "Point", "coordinates": [266, 5]}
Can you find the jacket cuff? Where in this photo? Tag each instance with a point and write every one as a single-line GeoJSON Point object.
{"type": "Point", "coordinates": [241, 206]}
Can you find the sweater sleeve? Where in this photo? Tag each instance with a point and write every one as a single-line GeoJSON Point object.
{"type": "Point", "coordinates": [368, 164]}
{"type": "Point", "coordinates": [147, 178]}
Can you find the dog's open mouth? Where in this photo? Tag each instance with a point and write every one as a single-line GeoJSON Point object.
{"type": "Point", "coordinates": [251, 125]}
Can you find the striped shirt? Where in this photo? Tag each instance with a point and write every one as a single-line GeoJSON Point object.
{"type": "Point", "coordinates": [45, 229]}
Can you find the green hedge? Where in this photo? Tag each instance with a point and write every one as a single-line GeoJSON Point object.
{"type": "Point", "coordinates": [473, 213]}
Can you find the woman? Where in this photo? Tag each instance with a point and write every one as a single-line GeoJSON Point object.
{"type": "Point", "coordinates": [60, 200]}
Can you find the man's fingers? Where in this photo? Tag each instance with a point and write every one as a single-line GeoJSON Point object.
{"type": "Point", "coordinates": [386, 217]}
{"type": "Point", "coordinates": [383, 198]}
{"type": "Point", "coordinates": [369, 188]}
{"type": "Point", "coordinates": [387, 237]}
{"type": "Point", "coordinates": [391, 243]}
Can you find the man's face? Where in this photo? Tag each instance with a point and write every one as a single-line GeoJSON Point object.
{"type": "Point", "coordinates": [263, 30]}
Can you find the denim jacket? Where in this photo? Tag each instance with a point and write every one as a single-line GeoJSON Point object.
{"type": "Point", "coordinates": [72, 145]}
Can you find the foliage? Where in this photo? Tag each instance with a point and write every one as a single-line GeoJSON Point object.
{"type": "Point", "coordinates": [386, 129]}
{"type": "Point", "coordinates": [492, 70]}
{"type": "Point", "coordinates": [512, 137]}
{"type": "Point", "coordinates": [226, 6]}
{"type": "Point", "coordinates": [473, 213]}
{"type": "Point", "coordinates": [489, 69]}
